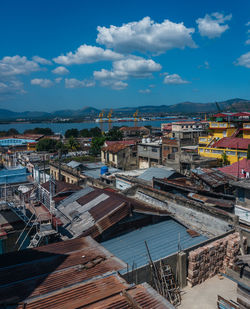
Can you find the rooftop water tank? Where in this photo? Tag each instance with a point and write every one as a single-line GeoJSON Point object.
{"type": "Point", "coordinates": [104, 170]}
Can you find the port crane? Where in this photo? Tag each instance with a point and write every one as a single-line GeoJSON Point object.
{"type": "Point", "coordinates": [109, 118]}
{"type": "Point", "coordinates": [101, 115]}
{"type": "Point", "coordinates": [135, 115]}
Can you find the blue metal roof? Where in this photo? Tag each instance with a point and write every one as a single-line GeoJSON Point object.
{"type": "Point", "coordinates": [15, 141]}
{"type": "Point", "coordinates": [162, 239]}
{"type": "Point", "coordinates": [13, 175]}
{"type": "Point", "coordinates": [157, 173]}
{"type": "Point", "coordinates": [74, 164]}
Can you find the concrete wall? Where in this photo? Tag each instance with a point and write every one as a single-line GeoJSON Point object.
{"type": "Point", "coordinates": [195, 215]}
{"type": "Point", "coordinates": [146, 151]}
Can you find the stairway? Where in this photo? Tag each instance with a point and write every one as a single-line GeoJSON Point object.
{"type": "Point", "coordinates": [20, 212]}
{"type": "Point", "coordinates": [236, 132]}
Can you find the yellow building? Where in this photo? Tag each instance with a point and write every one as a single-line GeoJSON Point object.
{"type": "Point", "coordinates": [221, 129]}
{"type": "Point", "coordinates": [235, 149]}
{"type": "Point", "coordinates": [246, 130]}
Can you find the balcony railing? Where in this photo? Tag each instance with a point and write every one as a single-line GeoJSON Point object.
{"type": "Point", "coordinates": [246, 125]}
{"type": "Point", "coordinates": [221, 125]}
{"type": "Point", "coordinates": [205, 139]}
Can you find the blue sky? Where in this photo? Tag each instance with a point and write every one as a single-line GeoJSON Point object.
{"type": "Point", "coordinates": [70, 54]}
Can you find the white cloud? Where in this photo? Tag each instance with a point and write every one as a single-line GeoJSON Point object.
{"type": "Point", "coordinates": [114, 84]}
{"type": "Point", "coordinates": [41, 60]}
{"type": "Point", "coordinates": [127, 68]}
{"type": "Point", "coordinates": [11, 87]}
{"type": "Point", "coordinates": [248, 24]}
{"type": "Point", "coordinates": [146, 35]}
{"type": "Point", "coordinates": [60, 70]}
{"type": "Point", "coordinates": [58, 80]}
{"type": "Point", "coordinates": [174, 79]}
{"type": "Point", "coordinates": [16, 65]}
{"type": "Point", "coordinates": [42, 82]}
{"type": "Point", "coordinates": [75, 83]}
{"type": "Point", "coordinates": [244, 60]}
{"type": "Point", "coordinates": [213, 25]}
{"type": "Point", "coordinates": [247, 42]}
{"type": "Point", "coordinates": [87, 54]}
{"type": "Point", "coordinates": [135, 67]}
{"type": "Point", "coordinates": [144, 90]}
{"type": "Point", "coordinates": [205, 65]}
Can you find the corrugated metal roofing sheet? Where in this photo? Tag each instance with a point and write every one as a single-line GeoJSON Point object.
{"type": "Point", "coordinates": [61, 186]}
{"type": "Point", "coordinates": [74, 164]}
{"type": "Point", "coordinates": [232, 142]}
{"type": "Point", "coordinates": [75, 196]}
{"type": "Point", "coordinates": [80, 294]}
{"type": "Point", "coordinates": [91, 211]}
{"type": "Point", "coordinates": [142, 295]}
{"type": "Point", "coordinates": [236, 168]}
{"type": "Point", "coordinates": [34, 272]}
{"type": "Point", "coordinates": [212, 176]}
{"type": "Point", "coordinates": [162, 239]}
{"type": "Point", "coordinates": [156, 172]}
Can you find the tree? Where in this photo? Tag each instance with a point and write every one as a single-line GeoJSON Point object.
{"type": "Point", "coordinates": [96, 144]}
{"type": "Point", "coordinates": [84, 133]}
{"type": "Point", "coordinates": [95, 132]}
{"type": "Point", "coordinates": [114, 134]}
{"type": "Point", "coordinates": [12, 132]}
{"type": "Point", "coordinates": [71, 133]}
{"type": "Point", "coordinates": [46, 144]}
{"type": "Point", "coordinates": [224, 159]}
{"type": "Point", "coordinates": [73, 144]}
{"type": "Point", "coordinates": [43, 131]}
{"type": "Point", "coordinates": [62, 147]}
{"type": "Point", "coordinates": [248, 152]}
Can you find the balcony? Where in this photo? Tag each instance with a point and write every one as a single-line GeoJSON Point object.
{"type": "Point", "coordinates": [221, 125]}
{"type": "Point", "coordinates": [246, 126]}
{"type": "Point", "coordinates": [205, 139]}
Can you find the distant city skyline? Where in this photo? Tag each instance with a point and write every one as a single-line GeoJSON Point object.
{"type": "Point", "coordinates": [70, 54]}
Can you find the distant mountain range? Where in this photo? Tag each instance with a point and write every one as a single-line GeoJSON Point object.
{"type": "Point", "coordinates": [233, 105]}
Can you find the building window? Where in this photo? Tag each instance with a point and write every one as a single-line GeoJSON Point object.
{"type": "Point", "coordinates": [217, 151]}
{"type": "Point", "coordinates": [241, 194]}
{"type": "Point", "coordinates": [166, 147]}
{"type": "Point", "coordinates": [174, 149]}
{"type": "Point", "coordinates": [154, 149]}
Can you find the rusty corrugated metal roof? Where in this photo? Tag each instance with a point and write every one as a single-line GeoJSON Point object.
{"type": "Point", "coordinates": [140, 296]}
{"type": "Point", "coordinates": [212, 176]}
{"type": "Point", "coordinates": [33, 272]}
{"type": "Point", "coordinates": [79, 295]}
{"type": "Point", "coordinates": [92, 212]}
{"type": "Point", "coordinates": [61, 186]}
